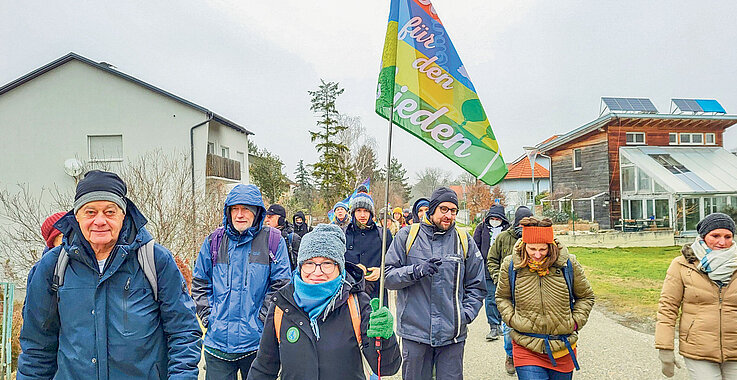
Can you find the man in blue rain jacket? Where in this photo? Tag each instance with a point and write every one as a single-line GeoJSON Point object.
{"type": "Point", "coordinates": [103, 321]}
{"type": "Point", "coordinates": [232, 293]}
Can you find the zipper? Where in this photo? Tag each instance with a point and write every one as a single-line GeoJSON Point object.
{"type": "Point", "coordinates": [457, 289]}
{"type": "Point", "coordinates": [126, 289]}
{"type": "Point", "coordinates": [688, 332]}
{"type": "Point", "coordinates": [721, 349]}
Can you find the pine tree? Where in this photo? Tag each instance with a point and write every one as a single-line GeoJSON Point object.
{"type": "Point", "coordinates": [332, 172]}
{"type": "Point", "coordinates": [305, 189]}
{"type": "Point", "coordinates": [399, 189]}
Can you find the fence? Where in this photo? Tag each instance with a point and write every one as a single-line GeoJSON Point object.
{"type": "Point", "coordinates": [6, 305]}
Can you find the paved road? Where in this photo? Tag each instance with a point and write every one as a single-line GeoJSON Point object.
{"type": "Point", "coordinates": [606, 350]}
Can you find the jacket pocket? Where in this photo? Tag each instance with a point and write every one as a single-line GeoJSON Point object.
{"type": "Point", "coordinates": [688, 332]}
{"type": "Point", "coordinates": [126, 295]}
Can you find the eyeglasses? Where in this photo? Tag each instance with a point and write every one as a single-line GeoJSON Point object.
{"type": "Point", "coordinates": [444, 210]}
{"type": "Point", "coordinates": [326, 267]}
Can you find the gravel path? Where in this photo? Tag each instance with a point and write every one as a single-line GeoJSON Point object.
{"type": "Point", "coordinates": [606, 350]}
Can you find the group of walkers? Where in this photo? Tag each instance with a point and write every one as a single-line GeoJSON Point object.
{"type": "Point", "coordinates": [285, 300]}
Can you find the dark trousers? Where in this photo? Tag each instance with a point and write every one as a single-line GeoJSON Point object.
{"type": "Point", "coordinates": [419, 360]}
{"type": "Point", "coordinates": [492, 313]}
{"type": "Point", "coordinates": [219, 369]}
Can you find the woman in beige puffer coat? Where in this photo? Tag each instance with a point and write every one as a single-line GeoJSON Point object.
{"type": "Point", "coordinates": [541, 303]}
{"type": "Point", "coordinates": [701, 284]}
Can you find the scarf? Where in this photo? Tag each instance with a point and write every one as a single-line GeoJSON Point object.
{"type": "Point", "coordinates": [315, 298]}
{"type": "Point", "coordinates": [718, 264]}
{"type": "Point", "coordinates": [537, 266]}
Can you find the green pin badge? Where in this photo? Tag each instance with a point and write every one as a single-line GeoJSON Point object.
{"type": "Point", "coordinates": [292, 334]}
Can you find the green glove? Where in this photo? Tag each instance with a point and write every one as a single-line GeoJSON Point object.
{"type": "Point", "coordinates": [381, 321]}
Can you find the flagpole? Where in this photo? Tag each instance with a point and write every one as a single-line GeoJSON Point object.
{"type": "Point", "coordinates": [386, 208]}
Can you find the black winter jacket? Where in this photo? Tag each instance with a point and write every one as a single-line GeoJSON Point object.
{"type": "Point", "coordinates": [301, 229]}
{"type": "Point", "coordinates": [482, 234]}
{"type": "Point", "coordinates": [364, 247]}
{"type": "Point", "coordinates": [293, 248]}
{"type": "Point", "coordinates": [336, 356]}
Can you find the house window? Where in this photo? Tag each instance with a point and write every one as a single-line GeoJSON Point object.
{"type": "Point", "coordinates": [685, 138]}
{"type": "Point", "coordinates": [577, 159]}
{"type": "Point", "coordinates": [644, 183]}
{"type": "Point", "coordinates": [225, 151]}
{"type": "Point", "coordinates": [635, 138]}
{"type": "Point", "coordinates": [628, 178]}
{"type": "Point", "coordinates": [210, 147]}
{"type": "Point", "coordinates": [529, 197]}
{"type": "Point", "coordinates": [692, 138]}
{"type": "Point", "coordinates": [710, 139]}
{"type": "Point", "coordinates": [242, 159]}
{"type": "Point", "coordinates": [697, 138]}
{"type": "Point", "coordinates": [673, 138]}
{"type": "Point", "coordinates": [107, 148]}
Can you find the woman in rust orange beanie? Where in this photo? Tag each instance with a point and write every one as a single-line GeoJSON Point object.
{"type": "Point", "coordinates": [544, 296]}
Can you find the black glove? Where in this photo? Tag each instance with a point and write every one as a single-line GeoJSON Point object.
{"type": "Point", "coordinates": [427, 268]}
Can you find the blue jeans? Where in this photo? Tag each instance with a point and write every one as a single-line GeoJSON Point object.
{"type": "Point", "coordinates": [531, 372]}
{"type": "Point", "coordinates": [507, 339]}
{"type": "Point", "coordinates": [492, 313]}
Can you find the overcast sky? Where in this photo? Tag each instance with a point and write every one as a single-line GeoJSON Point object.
{"type": "Point", "coordinates": [540, 67]}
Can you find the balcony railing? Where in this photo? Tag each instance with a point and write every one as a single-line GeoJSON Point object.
{"type": "Point", "coordinates": [222, 167]}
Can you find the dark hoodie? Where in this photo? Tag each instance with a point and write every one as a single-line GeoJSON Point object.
{"type": "Point", "coordinates": [504, 244]}
{"type": "Point", "coordinates": [415, 208]}
{"type": "Point", "coordinates": [483, 232]}
{"type": "Point", "coordinates": [302, 228]}
{"type": "Point", "coordinates": [336, 354]}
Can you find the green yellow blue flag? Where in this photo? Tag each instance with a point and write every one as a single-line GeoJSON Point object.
{"type": "Point", "coordinates": [426, 88]}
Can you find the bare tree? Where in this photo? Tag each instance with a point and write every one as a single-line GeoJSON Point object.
{"type": "Point", "coordinates": [430, 179]}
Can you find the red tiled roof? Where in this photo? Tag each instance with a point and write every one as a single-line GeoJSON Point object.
{"type": "Point", "coordinates": [549, 139]}
{"type": "Point", "coordinates": [458, 189]}
{"type": "Point", "coordinates": [521, 169]}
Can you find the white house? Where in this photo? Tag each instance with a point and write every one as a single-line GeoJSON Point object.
{"type": "Point", "coordinates": [517, 184]}
{"type": "Point", "coordinates": [75, 108]}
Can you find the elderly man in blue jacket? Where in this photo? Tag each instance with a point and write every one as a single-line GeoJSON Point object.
{"type": "Point", "coordinates": [106, 320]}
{"type": "Point", "coordinates": [439, 278]}
{"type": "Point", "coordinates": [238, 267]}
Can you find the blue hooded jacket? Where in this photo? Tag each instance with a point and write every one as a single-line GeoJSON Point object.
{"type": "Point", "coordinates": [108, 325]}
{"type": "Point", "coordinates": [231, 296]}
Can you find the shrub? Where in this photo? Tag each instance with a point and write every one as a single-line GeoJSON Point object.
{"type": "Point", "coordinates": [556, 216]}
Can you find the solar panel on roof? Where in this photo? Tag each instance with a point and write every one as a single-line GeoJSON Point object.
{"type": "Point", "coordinates": [699, 105]}
{"type": "Point", "coordinates": [629, 104]}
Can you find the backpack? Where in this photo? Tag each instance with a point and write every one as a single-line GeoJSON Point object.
{"type": "Point", "coordinates": [352, 307]}
{"type": "Point", "coordinates": [145, 261]}
{"type": "Point", "coordinates": [567, 275]}
{"type": "Point", "coordinates": [216, 240]}
{"type": "Point", "coordinates": [414, 229]}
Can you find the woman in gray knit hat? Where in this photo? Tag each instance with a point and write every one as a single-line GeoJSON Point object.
{"type": "Point", "coordinates": [700, 287]}
{"type": "Point", "coordinates": [323, 322]}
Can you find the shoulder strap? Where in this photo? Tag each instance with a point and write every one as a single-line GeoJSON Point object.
{"type": "Point", "coordinates": [414, 229]}
{"type": "Point", "coordinates": [148, 266]}
{"type": "Point", "coordinates": [278, 314]}
{"type": "Point", "coordinates": [463, 238]}
{"type": "Point", "coordinates": [216, 239]}
{"type": "Point", "coordinates": [59, 269]}
{"type": "Point", "coordinates": [568, 275]}
{"type": "Point", "coordinates": [512, 278]}
{"type": "Point", "coordinates": [274, 237]}
{"type": "Point", "coordinates": [353, 307]}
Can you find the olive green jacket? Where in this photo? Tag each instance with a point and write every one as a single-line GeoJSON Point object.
{"type": "Point", "coordinates": [542, 305]}
{"type": "Point", "coordinates": [502, 247]}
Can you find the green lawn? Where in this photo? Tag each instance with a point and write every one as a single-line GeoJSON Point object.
{"type": "Point", "coordinates": [627, 280]}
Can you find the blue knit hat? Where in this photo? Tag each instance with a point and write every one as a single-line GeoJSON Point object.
{"type": "Point", "coordinates": [362, 200]}
{"type": "Point", "coordinates": [326, 240]}
{"type": "Point", "coordinates": [341, 204]}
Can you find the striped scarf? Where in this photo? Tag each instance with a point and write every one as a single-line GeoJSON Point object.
{"type": "Point", "coordinates": [718, 264]}
{"type": "Point", "coordinates": [537, 266]}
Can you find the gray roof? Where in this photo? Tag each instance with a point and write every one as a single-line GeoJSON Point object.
{"type": "Point", "coordinates": [702, 170]}
{"type": "Point", "coordinates": [108, 68]}
{"type": "Point", "coordinates": [606, 119]}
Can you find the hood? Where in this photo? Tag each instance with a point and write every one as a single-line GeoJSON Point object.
{"type": "Point", "coordinates": [415, 206]}
{"type": "Point", "coordinates": [244, 195]}
{"type": "Point", "coordinates": [521, 213]}
{"type": "Point", "coordinates": [299, 214]}
{"type": "Point", "coordinates": [689, 254]}
{"type": "Point", "coordinates": [132, 234]}
{"type": "Point", "coordinates": [497, 211]}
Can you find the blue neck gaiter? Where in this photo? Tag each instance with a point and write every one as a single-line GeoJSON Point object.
{"type": "Point", "coordinates": [314, 298]}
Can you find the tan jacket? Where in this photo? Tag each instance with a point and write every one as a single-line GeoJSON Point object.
{"type": "Point", "coordinates": [541, 303]}
{"type": "Point", "coordinates": [708, 327]}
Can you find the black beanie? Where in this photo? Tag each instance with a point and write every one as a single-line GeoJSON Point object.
{"type": "Point", "coordinates": [440, 195]}
{"type": "Point", "coordinates": [715, 221]}
{"type": "Point", "coordinates": [522, 212]}
{"type": "Point", "coordinates": [98, 185]}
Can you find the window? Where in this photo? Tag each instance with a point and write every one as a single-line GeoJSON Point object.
{"type": "Point", "coordinates": [636, 209]}
{"type": "Point", "coordinates": [644, 183]}
{"type": "Point", "coordinates": [528, 197]}
{"type": "Point", "coordinates": [628, 178]}
{"type": "Point", "coordinates": [697, 138]}
{"type": "Point", "coordinates": [242, 159]}
{"type": "Point", "coordinates": [669, 163]}
{"type": "Point", "coordinates": [685, 138]}
{"type": "Point", "coordinates": [210, 147]}
{"type": "Point", "coordinates": [635, 138]}
{"type": "Point", "coordinates": [577, 159]}
{"type": "Point", "coordinates": [692, 138]}
{"type": "Point", "coordinates": [225, 151]}
{"type": "Point", "coordinates": [710, 139]}
{"type": "Point", "coordinates": [673, 138]}
{"type": "Point", "coordinates": [105, 148]}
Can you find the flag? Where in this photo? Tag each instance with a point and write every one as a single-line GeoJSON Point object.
{"type": "Point", "coordinates": [366, 182]}
{"type": "Point", "coordinates": [424, 81]}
